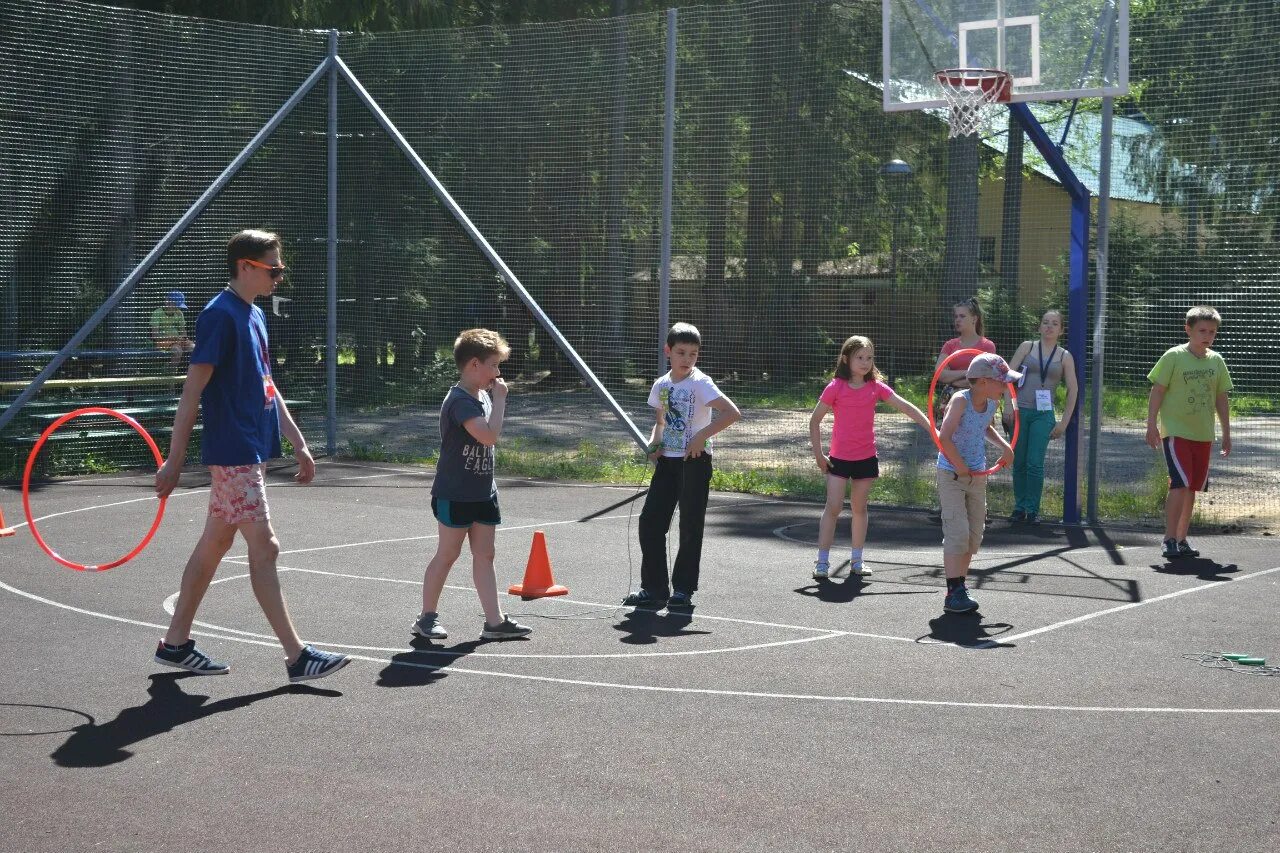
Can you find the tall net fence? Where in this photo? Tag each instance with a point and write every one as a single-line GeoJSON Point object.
{"type": "Point", "coordinates": [794, 225]}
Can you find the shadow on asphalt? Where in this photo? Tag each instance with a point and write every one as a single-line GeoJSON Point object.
{"type": "Point", "coordinates": [1202, 567]}
{"type": "Point", "coordinates": [93, 745]}
{"type": "Point", "coordinates": [967, 630]}
{"type": "Point", "coordinates": [644, 627]}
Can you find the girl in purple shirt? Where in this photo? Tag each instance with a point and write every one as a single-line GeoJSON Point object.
{"type": "Point", "coordinates": [852, 396]}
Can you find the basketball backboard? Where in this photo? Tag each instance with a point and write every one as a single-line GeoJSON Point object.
{"type": "Point", "coordinates": [1055, 49]}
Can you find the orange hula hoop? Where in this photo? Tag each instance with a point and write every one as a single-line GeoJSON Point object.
{"type": "Point", "coordinates": [933, 386]}
{"type": "Point", "coordinates": [26, 488]}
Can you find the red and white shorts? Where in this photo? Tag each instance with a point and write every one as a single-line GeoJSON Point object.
{"type": "Point", "coordinates": [1188, 463]}
{"type": "Point", "coordinates": [238, 494]}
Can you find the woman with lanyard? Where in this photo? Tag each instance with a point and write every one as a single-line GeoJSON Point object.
{"type": "Point", "coordinates": [1045, 365]}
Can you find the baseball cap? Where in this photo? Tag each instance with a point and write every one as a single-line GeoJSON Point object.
{"type": "Point", "coordinates": [991, 366]}
{"type": "Point", "coordinates": [176, 297]}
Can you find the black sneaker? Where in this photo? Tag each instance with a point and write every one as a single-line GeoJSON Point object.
{"type": "Point", "coordinates": [680, 602]}
{"type": "Point", "coordinates": [188, 657]}
{"type": "Point", "coordinates": [313, 663]}
{"type": "Point", "coordinates": [1031, 518]}
{"type": "Point", "coordinates": [1017, 517]}
{"type": "Point", "coordinates": [1170, 550]}
{"type": "Point", "coordinates": [1185, 549]}
{"type": "Point", "coordinates": [645, 600]}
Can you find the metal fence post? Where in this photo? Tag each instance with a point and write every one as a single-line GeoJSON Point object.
{"type": "Point", "coordinates": [331, 256]}
{"type": "Point", "coordinates": [668, 179]}
{"type": "Point", "coordinates": [1097, 359]}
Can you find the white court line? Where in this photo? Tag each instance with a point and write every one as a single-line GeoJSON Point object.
{"type": "Point", "coordinates": [823, 633]}
{"type": "Point", "coordinates": [499, 529]}
{"type": "Point", "coordinates": [696, 691]}
{"type": "Point", "coordinates": [1064, 623]}
{"type": "Point", "coordinates": [179, 494]}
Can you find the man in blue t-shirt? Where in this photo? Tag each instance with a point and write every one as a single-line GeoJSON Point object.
{"type": "Point", "coordinates": [230, 382]}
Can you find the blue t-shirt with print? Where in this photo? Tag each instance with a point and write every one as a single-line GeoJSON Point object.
{"type": "Point", "coordinates": [241, 421]}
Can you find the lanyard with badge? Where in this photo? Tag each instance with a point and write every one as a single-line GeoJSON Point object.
{"type": "Point", "coordinates": [1044, 396]}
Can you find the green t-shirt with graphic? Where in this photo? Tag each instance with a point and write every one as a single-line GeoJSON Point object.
{"type": "Point", "coordinates": [168, 325]}
{"type": "Point", "coordinates": [1193, 387]}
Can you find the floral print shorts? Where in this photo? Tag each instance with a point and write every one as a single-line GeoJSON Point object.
{"type": "Point", "coordinates": [238, 494]}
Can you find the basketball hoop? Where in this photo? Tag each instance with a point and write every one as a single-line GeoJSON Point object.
{"type": "Point", "coordinates": [973, 94]}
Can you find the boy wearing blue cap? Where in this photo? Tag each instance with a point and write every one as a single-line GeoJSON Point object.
{"type": "Point", "coordinates": [169, 327]}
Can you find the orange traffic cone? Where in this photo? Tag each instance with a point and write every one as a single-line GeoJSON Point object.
{"type": "Point", "coordinates": [5, 531]}
{"type": "Point", "coordinates": [538, 582]}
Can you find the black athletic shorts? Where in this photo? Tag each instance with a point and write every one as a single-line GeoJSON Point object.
{"type": "Point", "coordinates": [862, 469]}
{"type": "Point", "coordinates": [463, 514]}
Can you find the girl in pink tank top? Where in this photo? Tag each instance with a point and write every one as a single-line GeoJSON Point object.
{"type": "Point", "coordinates": [851, 396]}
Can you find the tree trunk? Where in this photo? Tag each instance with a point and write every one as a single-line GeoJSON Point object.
{"type": "Point", "coordinates": [960, 255]}
{"type": "Point", "coordinates": [1011, 220]}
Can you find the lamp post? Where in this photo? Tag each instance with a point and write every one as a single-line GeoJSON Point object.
{"type": "Point", "coordinates": [896, 175]}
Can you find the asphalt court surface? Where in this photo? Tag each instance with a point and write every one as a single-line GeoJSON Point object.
{"type": "Point", "coordinates": [784, 714]}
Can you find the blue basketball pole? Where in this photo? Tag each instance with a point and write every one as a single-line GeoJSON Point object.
{"type": "Point", "coordinates": [1077, 295]}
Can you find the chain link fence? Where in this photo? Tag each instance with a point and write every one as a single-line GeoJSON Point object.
{"type": "Point", "coordinates": [791, 229]}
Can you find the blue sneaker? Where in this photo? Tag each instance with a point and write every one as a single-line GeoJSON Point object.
{"type": "Point", "coordinates": [188, 657]}
{"type": "Point", "coordinates": [313, 663]}
{"type": "Point", "coordinates": [680, 602]}
{"type": "Point", "coordinates": [958, 601]}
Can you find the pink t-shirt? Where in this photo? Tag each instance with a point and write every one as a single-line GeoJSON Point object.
{"type": "Point", "coordinates": [962, 363]}
{"type": "Point", "coordinates": [853, 436]}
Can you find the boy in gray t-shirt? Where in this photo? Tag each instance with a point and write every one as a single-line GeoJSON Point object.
{"type": "Point", "coordinates": [464, 472]}
{"type": "Point", "coordinates": [464, 497]}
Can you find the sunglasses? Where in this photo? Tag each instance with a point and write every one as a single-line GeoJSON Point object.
{"type": "Point", "coordinates": [276, 272]}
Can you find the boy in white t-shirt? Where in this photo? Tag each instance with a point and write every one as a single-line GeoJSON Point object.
{"type": "Point", "coordinates": [680, 447]}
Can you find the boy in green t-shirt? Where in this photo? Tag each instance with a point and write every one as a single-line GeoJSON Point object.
{"type": "Point", "coordinates": [169, 327]}
{"type": "Point", "coordinates": [1188, 384]}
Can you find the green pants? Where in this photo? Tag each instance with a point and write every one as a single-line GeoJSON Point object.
{"type": "Point", "coordinates": [1028, 458]}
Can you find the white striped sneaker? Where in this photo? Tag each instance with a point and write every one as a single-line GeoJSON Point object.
{"type": "Point", "coordinates": [313, 663]}
{"type": "Point", "coordinates": [188, 657]}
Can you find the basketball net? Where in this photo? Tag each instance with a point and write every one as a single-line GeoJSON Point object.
{"type": "Point", "coordinates": [974, 95]}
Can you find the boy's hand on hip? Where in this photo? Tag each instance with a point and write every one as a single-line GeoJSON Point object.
{"type": "Point", "coordinates": [167, 477]}
{"type": "Point", "coordinates": [306, 466]}
{"type": "Point", "coordinates": [498, 390]}
{"type": "Point", "coordinates": [1153, 438]}
{"type": "Point", "coordinates": [696, 446]}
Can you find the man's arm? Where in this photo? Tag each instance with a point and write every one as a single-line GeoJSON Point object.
{"type": "Point", "coordinates": [184, 421]}
{"type": "Point", "coordinates": [289, 428]}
